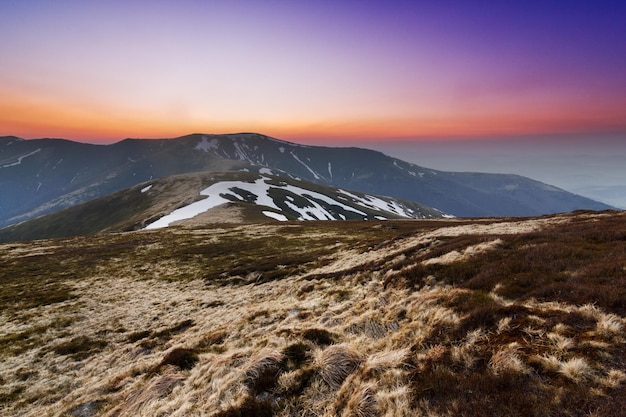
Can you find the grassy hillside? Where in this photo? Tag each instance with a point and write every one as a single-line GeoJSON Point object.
{"type": "Point", "coordinates": [490, 317]}
{"type": "Point", "coordinates": [139, 206]}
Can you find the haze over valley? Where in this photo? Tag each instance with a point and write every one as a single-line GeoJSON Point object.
{"type": "Point", "coordinates": [589, 165]}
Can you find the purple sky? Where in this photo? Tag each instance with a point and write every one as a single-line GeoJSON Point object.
{"type": "Point", "coordinates": [311, 70]}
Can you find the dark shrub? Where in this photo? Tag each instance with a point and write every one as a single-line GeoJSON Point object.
{"type": "Point", "coordinates": [181, 357]}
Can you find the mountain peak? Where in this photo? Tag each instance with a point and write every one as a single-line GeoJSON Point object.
{"type": "Point", "coordinates": [7, 140]}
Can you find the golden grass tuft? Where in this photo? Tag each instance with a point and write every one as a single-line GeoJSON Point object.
{"type": "Point", "coordinates": [614, 378]}
{"type": "Point", "coordinates": [609, 325]}
{"type": "Point", "coordinates": [336, 363]}
{"type": "Point", "coordinates": [382, 361]}
{"type": "Point", "coordinates": [559, 343]}
{"type": "Point", "coordinates": [508, 360]}
{"type": "Point", "coordinates": [362, 402]}
{"type": "Point", "coordinates": [262, 369]}
{"type": "Point", "coordinates": [157, 388]}
{"type": "Point", "coordinates": [576, 369]}
{"type": "Point", "coordinates": [180, 357]}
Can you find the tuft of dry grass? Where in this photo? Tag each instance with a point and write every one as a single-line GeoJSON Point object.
{"type": "Point", "coordinates": [576, 369]}
{"type": "Point", "coordinates": [362, 403]}
{"type": "Point", "coordinates": [336, 363]}
{"type": "Point", "coordinates": [610, 325]}
{"type": "Point", "coordinates": [262, 370]}
{"type": "Point", "coordinates": [508, 361]}
{"type": "Point", "coordinates": [157, 388]}
{"type": "Point", "coordinates": [180, 357]}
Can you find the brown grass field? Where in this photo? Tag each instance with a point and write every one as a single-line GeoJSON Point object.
{"type": "Point", "coordinates": [441, 318]}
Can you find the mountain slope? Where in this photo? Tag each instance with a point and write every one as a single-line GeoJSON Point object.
{"type": "Point", "coordinates": [45, 175]}
{"type": "Point", "coordinates": [460, 194]}
{"type": "Point", "coordinates": [461, 317]}
{"type": "Point", "coordinates": [203, 198]}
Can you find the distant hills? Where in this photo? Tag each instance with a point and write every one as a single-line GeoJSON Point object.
{"type": "Point", "coordinates": [42, 176]}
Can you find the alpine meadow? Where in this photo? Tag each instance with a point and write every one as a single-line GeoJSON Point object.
{"type": "Point", "coordinates": [482, 317]}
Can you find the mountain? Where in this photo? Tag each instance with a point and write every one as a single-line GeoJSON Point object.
{"type": "Point", "coordinates": [45, 175]}
{"type": "Point", "coordinates": [211, 197]}
{"type": "Point", "coordinates": [457, 193]}
{"type": "Point", "coordinates": [447, 317]}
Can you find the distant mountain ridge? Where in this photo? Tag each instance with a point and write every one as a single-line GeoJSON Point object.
{"type": "Point", "coordinates": [45, 175]}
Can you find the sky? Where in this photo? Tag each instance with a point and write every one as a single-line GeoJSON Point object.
{"type": "Point", "coordinates": [311, 70]}
{"type": "Point", "coordinates": [449, 83]}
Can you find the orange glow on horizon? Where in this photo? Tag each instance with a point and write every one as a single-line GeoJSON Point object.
{"type": "Point", "coordinates": [90, 123]}
{"type": "Point", "coordinates": [314, 72]}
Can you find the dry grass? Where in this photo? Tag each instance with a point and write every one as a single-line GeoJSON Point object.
{"type": "Point", "coordinates": [336, 363]}
{"type": "Point", "coordinates": [241, 321]}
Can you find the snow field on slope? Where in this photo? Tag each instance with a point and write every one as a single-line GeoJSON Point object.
{"type": "Point", "coordinates": [20, 158]}
{"type": "Point", "coordinates": [260, 188]}
{"type": "Point", "coordinates": [379, 204]}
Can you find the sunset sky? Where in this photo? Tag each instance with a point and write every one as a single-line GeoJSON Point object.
{"type": "Point", "coordinates": [312, 71]}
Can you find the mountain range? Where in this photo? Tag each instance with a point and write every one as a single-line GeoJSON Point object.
{"type": "Point", "coordinates": [42, 176]}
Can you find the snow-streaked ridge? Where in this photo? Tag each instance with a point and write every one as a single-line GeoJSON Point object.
{"type": "Point", "coordinates": [20, 158]}
{"type": "Point", "coordinates": [315, 174]}
{"type": "Point", "coordinates": [315, 205]}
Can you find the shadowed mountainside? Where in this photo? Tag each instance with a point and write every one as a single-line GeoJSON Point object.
{"type": "Point", "coordinates": [46, 175]}
{"type": "Point", "coordinates": [486, 317]}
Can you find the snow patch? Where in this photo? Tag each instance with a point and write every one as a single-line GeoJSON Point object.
{"type": "Point", "coordinates": [146, 189]}
{"type": "Point", "coordinates": [266, 171]}
{"type": "Point", "coordinates": [376, 203]}
{"type": "Point", "coordinates": [276, 216]}
{"type": "Point", "coordinates": [242, 153]}
{"type": "Point", "coordinates": [216, 195]}
{"type": "Point", "coordinates": [315, 174]}
{"type": "Point", "coordinates": [20, 158]}
{"type": "Point", "coordinates": [206, 145]}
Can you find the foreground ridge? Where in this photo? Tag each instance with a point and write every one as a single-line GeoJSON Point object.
{"type": "Point", "coordinates": [483, 317]}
